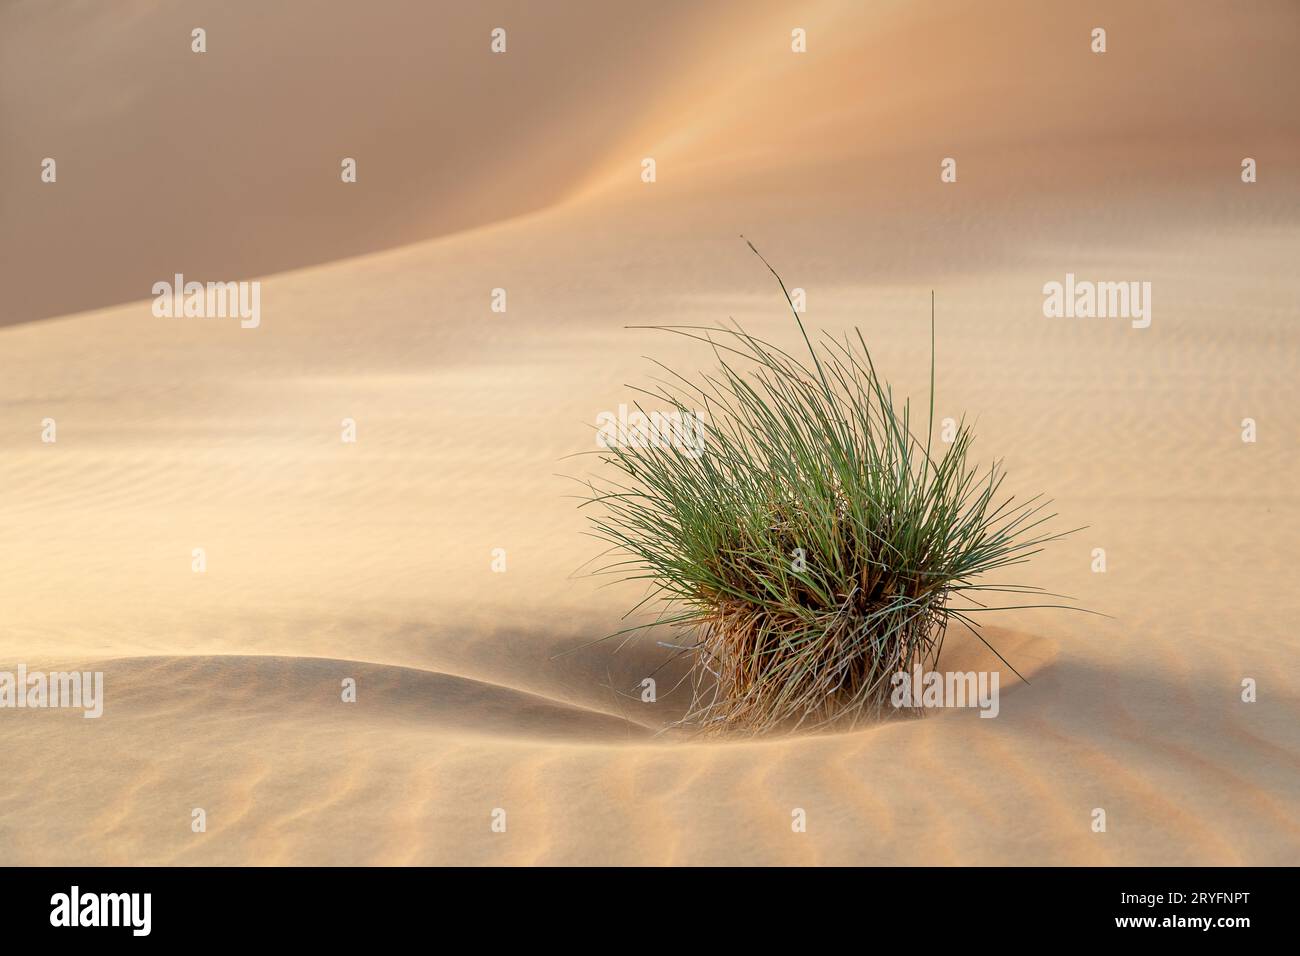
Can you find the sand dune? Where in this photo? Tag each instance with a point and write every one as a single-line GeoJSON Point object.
{"type": "Point", "coordinates": [227, 164]}
{"type": "Point", "coordinates": [478, 690]}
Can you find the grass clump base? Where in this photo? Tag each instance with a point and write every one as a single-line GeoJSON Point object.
{"type": "Point", "coordinates": [817, 546]}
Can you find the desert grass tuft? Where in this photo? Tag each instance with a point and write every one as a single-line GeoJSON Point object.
{"type": "Point", "coordinates": [818, 546]}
